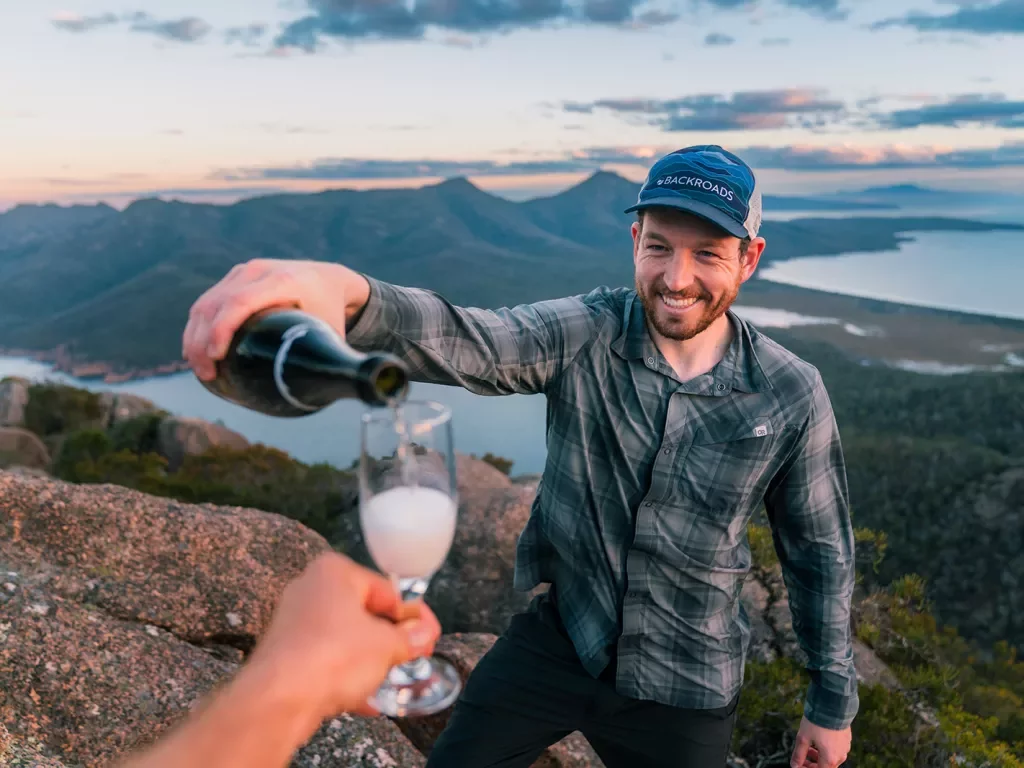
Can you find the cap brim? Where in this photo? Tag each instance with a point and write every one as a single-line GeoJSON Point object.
{"type": "Point", "coordinates": [696, 207]}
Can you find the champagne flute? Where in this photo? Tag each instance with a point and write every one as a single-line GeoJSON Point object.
{"type": "Point", "coordinates": [408, 502]}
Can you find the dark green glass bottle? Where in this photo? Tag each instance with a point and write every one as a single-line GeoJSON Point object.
{"type": "Point", "coordinates": [283, 362]}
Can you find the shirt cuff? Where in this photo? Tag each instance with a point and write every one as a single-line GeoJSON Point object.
{"type": "Point", "coordinates": [369, 330]}
{"type": "Point", "coordinates": [829, 709]}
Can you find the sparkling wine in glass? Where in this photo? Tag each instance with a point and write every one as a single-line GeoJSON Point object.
{"type": "Point", "coordinates": [408, 501]}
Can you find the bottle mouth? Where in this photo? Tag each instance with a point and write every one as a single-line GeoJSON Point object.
{"type": "Point", "coordinates": [390, 383]}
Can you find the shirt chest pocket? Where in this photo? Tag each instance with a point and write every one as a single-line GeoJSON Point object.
{"type": "Point", "coordinates": [727, 467]}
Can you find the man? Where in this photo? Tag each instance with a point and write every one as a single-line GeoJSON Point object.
{"type": "Point", "coordinates": [337, 631]}
{"type": "Point", "coordinates": [670, 422]}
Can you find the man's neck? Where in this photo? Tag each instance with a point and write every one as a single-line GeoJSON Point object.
{"type": "Point", "coordinates": [696, 356]}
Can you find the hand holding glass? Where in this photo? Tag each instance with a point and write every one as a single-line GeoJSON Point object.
{"type": "Point", "coordinates": [408, 502]}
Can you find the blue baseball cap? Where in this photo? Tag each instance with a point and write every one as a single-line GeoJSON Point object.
{"type": "Point", "coordinates": [709, 182]}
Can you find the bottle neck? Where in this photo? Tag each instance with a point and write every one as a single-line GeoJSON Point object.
{"type": "Point", "coordinates": [321, 379]}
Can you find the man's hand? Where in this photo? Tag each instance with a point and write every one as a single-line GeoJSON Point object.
{"type": "Point", "coordinates": [331, 292]}
{"type": "Point", "coordinates": [818, 747]}
{"type": "Point", "coordinates": [337, 630]}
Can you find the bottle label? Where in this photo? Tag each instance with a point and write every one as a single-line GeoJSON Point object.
{"type": "Point", "coordinates": [287, 339]}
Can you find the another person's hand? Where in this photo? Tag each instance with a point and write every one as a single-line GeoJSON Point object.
{"type": "Point", "coordinates": [818, 747]}
{"type": "Point", "coordinates": [337, 630]}
{"type": "Point", "coordinates": [328, 291]}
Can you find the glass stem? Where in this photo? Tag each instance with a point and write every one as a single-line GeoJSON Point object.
{"type": "Point", "coordinates": [413, 589]}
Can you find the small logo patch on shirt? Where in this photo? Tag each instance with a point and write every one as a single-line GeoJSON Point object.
{"type": "Point", "coordinates": [760, 430]}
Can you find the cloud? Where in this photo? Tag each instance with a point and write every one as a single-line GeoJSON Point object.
{"type": "Point", "coordinates": [73, 22]}
{"type": "Point", "coordinates": [289, 129]}
{"type": "Point", "coordinates": [775, 42]}
{"type": "Point", "coordinates": [185, 30]}
{"type": "Point", "coordinates": [745, 110]}
{"type": "Point", "coordinates": [353, 169]}
{"type": "Point", "coordinates": [411, 19]}
{"type": "Point", "coordinates": [189, 29]}
{"type": "Point", "coordinates": [973, 108]}
{"type": "Point", "coordinates": [790, 157]}
{"type": "Point", "coordinates": [1004, 17]}
{"type": "Point", "coordinates": [249, 35]}
{"type": "Point", "coordinates": [837, 158]}
{"type": "Point", "coordinates": [828, 9]}
{"type": "Point", "coordinates": [718, 38]}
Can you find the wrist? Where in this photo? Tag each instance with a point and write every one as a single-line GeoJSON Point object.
{"type": "Point", "coordinates": [290, 700]}
{"type": "Point", "coordinates": [355, 289]}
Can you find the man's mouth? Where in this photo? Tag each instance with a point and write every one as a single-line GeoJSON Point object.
{"type": "Point", "coordinates": [677, 304]}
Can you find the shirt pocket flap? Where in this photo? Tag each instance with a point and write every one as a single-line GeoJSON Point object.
{"type": "Point", "coordinates": [752, 429]}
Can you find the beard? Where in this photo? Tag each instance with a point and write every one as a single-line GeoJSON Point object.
{"type": "Point", "coordinates": [696, 321]}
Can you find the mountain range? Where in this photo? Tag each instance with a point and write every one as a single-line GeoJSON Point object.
{"type": "Point", "coordinates": [115, 286]}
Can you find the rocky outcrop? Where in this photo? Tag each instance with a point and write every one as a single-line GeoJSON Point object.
{"type": "Point", "coordinates": [119, 610]}
{"type": "Point", "coordinates": [17, 754]}
{"type": "Point", "coordinates": [473, 590]}
{"type": "Point", "coordinates": [122, 407]}
{"type": "Point", "coordinates": [13, 399]}
{"type": "Point", "coordinates": [180, 437]}
{"type": "Point", "coordinates": [19, 447]}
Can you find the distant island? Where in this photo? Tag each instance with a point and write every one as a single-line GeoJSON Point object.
{"type": "Point", "coordinates": [102, 292]}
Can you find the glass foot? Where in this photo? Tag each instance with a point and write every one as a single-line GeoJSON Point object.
{"type": "Point", "coordinates": [420, 687]}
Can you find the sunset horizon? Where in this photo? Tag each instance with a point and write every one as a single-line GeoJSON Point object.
{"type": "Point", "coordinates": [220, 101]}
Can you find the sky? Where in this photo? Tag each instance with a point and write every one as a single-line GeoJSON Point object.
{"type": "Point", "coordinates": [220, 99]}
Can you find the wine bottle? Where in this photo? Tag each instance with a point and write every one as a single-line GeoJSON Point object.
{"type": "Point", "coordinates": [283, 362]}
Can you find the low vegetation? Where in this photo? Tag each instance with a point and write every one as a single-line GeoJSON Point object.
{"type": "Point", "coordinates": [957, 703]}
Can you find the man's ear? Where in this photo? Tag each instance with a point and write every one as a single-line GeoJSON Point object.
{"type": "Point", "coordinates": [752, 257]}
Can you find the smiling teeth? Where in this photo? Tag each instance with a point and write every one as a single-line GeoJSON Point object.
{"type": "Point", "coordinates": [679, 303]}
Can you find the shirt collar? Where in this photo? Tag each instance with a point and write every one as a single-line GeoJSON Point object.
{"type": "Point", "coordinates": [740, 369]}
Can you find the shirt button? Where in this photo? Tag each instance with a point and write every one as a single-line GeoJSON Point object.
{"type": "Point", "coordinates": [668, 451]}
{"type": "Point", "coordinates": [648, 503]}
{"type": "Point", "coordinates": [650, 360]}
{"type": "Point", "coordinates": [721, 387]}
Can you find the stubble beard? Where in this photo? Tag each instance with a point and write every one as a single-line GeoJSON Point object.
{"type": "Point", "coordinates": [683, 331]}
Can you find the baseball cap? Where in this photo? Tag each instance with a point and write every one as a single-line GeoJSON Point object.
{"type": "Point", "coordinates": [709, 182]}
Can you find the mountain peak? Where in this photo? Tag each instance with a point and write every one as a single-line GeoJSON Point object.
{"type": "Point", "coordinates": [458, 183]}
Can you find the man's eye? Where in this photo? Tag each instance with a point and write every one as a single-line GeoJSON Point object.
{"type": "Point", "coordinates": [707, 254]}
{"type": "Point", "coordinates": [655, 247]}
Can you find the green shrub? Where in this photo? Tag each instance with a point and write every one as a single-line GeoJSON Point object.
{"type": "Point", "coordinates": [501, 464]}
{"type": "Point", "coordinates": [138, 435]}
{"type": "Point", "coordinates": [79, 452]}
{"type": "Point", "coordinates": [54, 409]}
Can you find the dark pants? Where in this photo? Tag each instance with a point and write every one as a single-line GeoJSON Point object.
{"type": "Point", "coordinates": [530, 690]}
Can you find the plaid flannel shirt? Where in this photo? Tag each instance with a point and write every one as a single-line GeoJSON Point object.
{"type": "Point", "coordinates": [640, 517]}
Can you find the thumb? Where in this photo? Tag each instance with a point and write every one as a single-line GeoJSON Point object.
{"type": "Point", "coordinates": [419, 636]}
{"type": "Point", "coordinates": [800, 752]}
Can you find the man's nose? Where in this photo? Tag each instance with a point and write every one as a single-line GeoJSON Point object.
{"type": "Point", "coordinates": [679, 271]}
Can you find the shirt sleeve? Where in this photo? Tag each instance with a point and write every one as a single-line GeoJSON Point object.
{"type": "Point", "coordinates": [517, 350]}
{"type": "Point", "coordinates": [808, 507]}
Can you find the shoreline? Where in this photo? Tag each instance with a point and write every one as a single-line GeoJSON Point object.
{"type": "Point", "coordinates": [94, 370]}
{"type": "Point", "coordinates": [922, 333]}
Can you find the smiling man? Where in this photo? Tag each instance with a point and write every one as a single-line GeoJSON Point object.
{"type": "Point", "coordinates": [671, 421]}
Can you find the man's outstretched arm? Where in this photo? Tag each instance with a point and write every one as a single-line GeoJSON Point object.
{"type": "Point", "coordinates": [337, 630]}
{"type": "Point", "coordinates": [808, 507]}
{"type": "Point", "coordinates": [492, 352]}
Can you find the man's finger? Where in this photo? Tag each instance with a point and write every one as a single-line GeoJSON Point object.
{"type": "Point", "coordinates": [269, 290]}
{"type": "Point", "coordinates": [799, 752]}
{"type": "Point", "coordinates": [382, 599]}
{"type": "Point", "coordinates": [422, 633]}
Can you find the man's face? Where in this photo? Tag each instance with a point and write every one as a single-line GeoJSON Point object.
{"type": "Point", "coordinates": [688, 271]}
